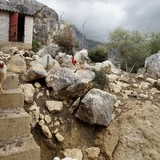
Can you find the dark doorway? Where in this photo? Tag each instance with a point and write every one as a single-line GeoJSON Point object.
{"type": "Point", "coordinates": [16, 31]}
{"type": "Point", "coordinates": [21, 28]}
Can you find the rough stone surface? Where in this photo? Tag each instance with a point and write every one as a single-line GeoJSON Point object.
{"type": "Point", "coordinates": [51, 50]}
{"type": "Point", "coordinates": [72, 153]}
{"type": "Point", "coordinates": [17, 64]}
{"type": "Point", "coordinates": [46, 61]}
{"type": "Point", "coordinates": [34, 112]}
{"type": "Point", "coordinates": [134, 135]}
{"type": "Point", "coordinates": [46, 131]}
{"type": "Point", "coordinates": [96, 107]}
{"type": "Point", "coordinates": [59, 137]}
{"type": "Point", "coordinates": [152, 64]}
{"type": "Point", "coordinates": [29, 91]}
{"type": "Point", "coordinates": [65, 83]}
{"type": "Point", "coordinates": [14, 99]}
{"type": "Point", "coordinates": [54, 106]}
{"type": "Point", "coordinates": [34, 73]}
{"type": "Point", "coordinates": [11, 81]}
{"type": "Point", "coordinates": [91, 153]}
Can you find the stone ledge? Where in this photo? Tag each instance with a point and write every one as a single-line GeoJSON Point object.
{"type": "Point", "coordinates": [22, 148]}
{"type": "Point", "coordinates": [14, 123]}
{"type": "Point", "coordinates": [11, 99]}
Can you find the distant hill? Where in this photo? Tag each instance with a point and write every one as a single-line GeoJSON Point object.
{"type": "Point", "coordinates": [84, 42]}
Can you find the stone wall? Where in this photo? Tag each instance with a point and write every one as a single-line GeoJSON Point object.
{"type": "Point", "coordinates": [4, 26]}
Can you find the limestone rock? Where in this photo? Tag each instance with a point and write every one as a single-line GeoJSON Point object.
{"type": "Point", "coordinates": [59, 137]}
{"type": "Point", "coordinates": [134, 135]}
{"type": "Point", "coordinates": [46, 61]}
{"type": "Point", "coordinates": [91, 153]}
{"type": "Point", "coordinates": [152, 64]}
{"type": "Point", "coordinates": [74, 153]}
{"type": "Point", "coordinates": [96, 107]}
{"type": "Point", "coordinates": [114, 88]}
{"type": "Point", "coordinates": [17, 64]}
{"type": "Point", "coordinates": [37, 85]}
{"type": "Point", "coordinates": [65, 83]}
{"type": "Point", "coordinates": [29, 91]}
{"type": "Point", "coordinates": [51, 50]}
{"type": "Point", "coordinates": [106, 66]}
{"type": "Point", "coordinates": [47, 119]}
{"type": "Point", "coordinates": [60, 57]}
{"type": "Point", "coordinates": [34, 73]}
{"type": "Point", "coordinates": [46, 131]}
{"type": "Point", "coordinates": [11, 81]}
{"type": "Point", "coordinates": [34, 112]}
{"type": "Point", "coordinates": [54, 106]}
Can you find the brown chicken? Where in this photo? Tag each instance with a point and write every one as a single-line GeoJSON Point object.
{"type": "Point", "coordinates": [3, 69]}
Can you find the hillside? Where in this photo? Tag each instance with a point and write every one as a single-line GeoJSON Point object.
{"type": "Point", "coordinates": [71, 118]}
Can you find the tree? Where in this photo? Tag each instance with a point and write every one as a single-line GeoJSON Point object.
{"type": "Point", "coordinates": [154, 42]}
{"type": "Point", "coordinates": [132, 46]}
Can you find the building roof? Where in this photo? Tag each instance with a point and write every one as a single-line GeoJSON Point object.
{"type": "Point", "coordinates": [15, 7]}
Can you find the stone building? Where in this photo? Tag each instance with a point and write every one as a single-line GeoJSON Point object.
{"type": "Point", "coordinates": [16, 25]}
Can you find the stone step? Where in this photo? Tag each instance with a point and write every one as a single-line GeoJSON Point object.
{"type": "Point", "coordinates": [14, 123]}
{"type": "Point", "coordinates": [12, 99]}
{"type": "Point", "coordinates": [11, 81]}
{"type": "Point", "coordinates": [19, 149]}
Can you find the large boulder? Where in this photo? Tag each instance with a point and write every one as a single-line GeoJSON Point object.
{"type": "Point", "coordinates": [34, 73]}
{"type": "Point", "coordinates": [134, 135]}
{"type": "Point", "coordinates": [46, 61]}
{"type": "Point", "coordinates": [106, 66]}
{"type": "Point", "coordinates": [152, 64]}
{"type": "Point", "coordinates": [65, 83]}
{"type": "Point", "coordinates": [51, 49]}
{"type": "Point", "coordinates": [17, 64]}
{"type": "Point", "coordinates": [96, 107]}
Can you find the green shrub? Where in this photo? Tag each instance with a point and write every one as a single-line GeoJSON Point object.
{"type": "Point", "coordinates": [101, 80]}
{"type": "Point", "coordinates": [65, 39]}
{"type": "Point", "coordinates": [35, 45]}
{"type": "Point", "coordinates": [98, 54]}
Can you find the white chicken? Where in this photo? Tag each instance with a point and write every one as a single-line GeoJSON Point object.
{"type": "Point", "coordinates": [3, 69]}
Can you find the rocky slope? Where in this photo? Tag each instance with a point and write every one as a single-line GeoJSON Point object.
{"type": "Point", "coordinates": [70, 118]}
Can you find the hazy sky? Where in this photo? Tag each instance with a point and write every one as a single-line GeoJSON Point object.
{"type": "Point", "coordinates": [102, 16]}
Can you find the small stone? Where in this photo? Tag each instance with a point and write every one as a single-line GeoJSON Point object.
{"type": "Point", "coordinates": [47, 119]}
{"type": "Point", "coordinates": [57, 123]}
{"type": "Point", "coordinates": [56, 158]}
{"type": "Point", "coordinates": [46, 131]}
{"type": "Point", "coordinates": [34, 112]}
{"type": "Point", "coordinates": [135, 85]}
{"type": "Point", "coordinates": [118, 110]}
{"type": "Point", "coordinates": [144, 85]}
{"type": "Point", "coordinates": [41, 122]}
{"type": "Point", "coordinates": [56, 130]}
{"type": "Point", "coordinates": [113, 116]}
{"type": "Point", "coordinates": [143, 96]}
{"type": "Point", "coordinates": [92, 153]}
{"type": "Point", "coordinates": [37, 85]}
{"type": "Point", "coordinates": [29, 91]}
{"type": "Point", "coordinates": [124, 78]}
{"type": "Point", "coordinates": [59, 137]}
{"type": "Point", "coordinates": [151, 80]}
{"type": "Point", "coordinates": [54, 106]}
{"type": "Point", "coordinates": [47, 92]}
{"type": "Point", "coordinates": [40, 94]}
{"type": "Point", "coordinates": [65, 103]}
{"type": "Point", "coordinates": [115, 88]}
{"type": "Point", "coordinates": [118, 103]}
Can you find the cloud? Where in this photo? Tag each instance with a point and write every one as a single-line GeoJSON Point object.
{"type": "Point", "coordinates": [102, 16]}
